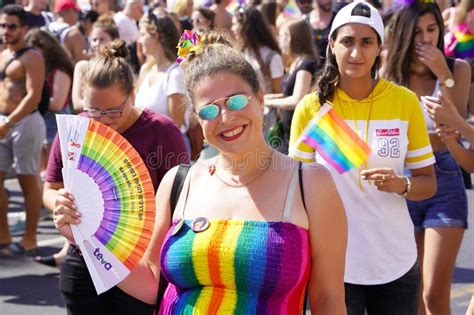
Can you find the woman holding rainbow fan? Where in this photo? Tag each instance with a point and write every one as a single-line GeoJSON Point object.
{"type": "Point", "coordinates": [238, 243]}
{"type": "Point", "coordinates": [381, 275]}
{"type": "Point", "coordinates": [109, 98]}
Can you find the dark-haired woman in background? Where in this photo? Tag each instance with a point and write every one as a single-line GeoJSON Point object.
{"type": "Point", "coordinates": [415, 59]}
{"type": "Point", "coordinates": [294, 38]}
{"type": "Point", "coordinates": [59, 72]}
{"type": "Point", "coordinates": [260, 47]}
{"type": "Point", "coordinates": [262, 51]}
{"type": "Point", "coordinates": [203, 19]}
{"type": "Point", "coordinates": [160, 86]}
{"type": "Point", "coordinates": [382, 274]}
{"type": "Point", "coordinates": [270, 11]}
{"type": "Point", "coordinates": [109, 95]}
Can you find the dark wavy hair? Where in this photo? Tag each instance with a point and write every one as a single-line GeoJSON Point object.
{"type": "Point", "coordinates": [54, 54]}
{"type": "Point", "coordinates": [328, 77]}
{"type": "Point", "coordinates": [256, 33]}
{"type": "Point", "coordinates": [400, 39]}
{"type": "Point", "coordinates": [169, 34]}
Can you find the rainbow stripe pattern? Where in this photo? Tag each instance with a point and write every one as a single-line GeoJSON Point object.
{"type": "Point", "coordinates": [127, 190]}
{"type": "Point", "coordinates": [291, 9]}
{"type": "Point", "coordinates": [114, 193]}
{"type": "Point", "coordinates": [236, 267]}
{"type": "Point", "coordinates": [459, 43]}
{"type": "Point", "coordinates": [335, 140]}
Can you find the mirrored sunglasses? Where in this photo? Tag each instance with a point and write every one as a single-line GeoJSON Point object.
{"type": "Point", "coordinates": [233, 103]}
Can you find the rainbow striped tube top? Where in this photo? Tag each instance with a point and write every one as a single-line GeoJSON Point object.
{"type": "Point", "coordinates": [236, 267]}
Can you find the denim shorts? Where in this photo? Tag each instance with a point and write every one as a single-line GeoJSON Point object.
{"type": "Point", "coordinates": [51, 125]}
{"type": "Point", "coordinates": [448, 207]}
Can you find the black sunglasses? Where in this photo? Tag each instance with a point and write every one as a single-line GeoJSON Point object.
{"type": "Point", "coordinates": [9, 26]}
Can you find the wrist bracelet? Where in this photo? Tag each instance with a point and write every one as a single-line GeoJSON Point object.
{"type": "Point", "coordinates": [407, 187]}
{"type": "Point", "coordinates": [8, 122]}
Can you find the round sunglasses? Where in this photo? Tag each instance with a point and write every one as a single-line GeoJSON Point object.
{"type": "Point", "coordinates": [234, 102]}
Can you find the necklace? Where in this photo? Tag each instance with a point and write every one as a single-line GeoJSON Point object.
{"type": "Point", "coordinates": [213, 171]}
{"type": "Point", "coordinates": [366, 131]}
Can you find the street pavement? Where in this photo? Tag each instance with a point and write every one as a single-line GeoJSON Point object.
{"type": "Point", "coordinates": [30, 288]}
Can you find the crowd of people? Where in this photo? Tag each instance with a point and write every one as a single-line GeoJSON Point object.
{"type": "Point", "coordinates": [381, 238]}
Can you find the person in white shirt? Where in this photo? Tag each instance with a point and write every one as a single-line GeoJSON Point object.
{"type": "Point", "coordinates": [126, 20]}
{"type": "Point", "coordinates": [260, 48]}
{"type": "Point", "coordinates": [160, 85]}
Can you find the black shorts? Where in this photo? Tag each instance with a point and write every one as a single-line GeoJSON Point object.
{"type": "Point", "coordinates": [80, 296]}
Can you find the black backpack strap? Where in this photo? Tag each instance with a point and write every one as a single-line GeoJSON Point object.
{"type": "Point", "coordinates": [16, 55]}
{"type": "Point", "coordinates": [178, 183]}
{"type": "Point", "coordinates": [450, 62]}
{"type": "Point", "coordinates": [300, 177]}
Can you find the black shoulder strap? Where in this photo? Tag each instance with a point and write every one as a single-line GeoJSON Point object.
{"type": "Point", "coordinates": [450, 62]}
{"type": "Point", "coordinates": [300, 177]}
{"type": "Point", "coordinates": [175, 191]}
{"type": "Point", "coordinates": [178, 183]}
{"type": "Point", "coordinates": [16, 55]}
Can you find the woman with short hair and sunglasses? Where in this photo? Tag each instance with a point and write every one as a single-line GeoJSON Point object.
{"type": "Point", "coordinates": [109, 95]}
{"type": "Point", "coordinates": [239, 243]}
{"type": "Point", "coordinates": [381, 275]}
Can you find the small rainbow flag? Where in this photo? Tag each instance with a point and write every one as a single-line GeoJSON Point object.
{"type": "Point", "coordinates": [291, 9]}
{"type": "Point", "coordinates": [459, 43]}
{"type": "Point", "coordinates": [335, 140]}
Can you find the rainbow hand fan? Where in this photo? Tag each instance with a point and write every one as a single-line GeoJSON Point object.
{"type": "Point", "coordinates": [335, 140]}
{"type": "Point", "coordinates": [113, 191]}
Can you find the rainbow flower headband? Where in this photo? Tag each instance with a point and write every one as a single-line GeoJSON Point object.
{"type": "Point", "coordinates": [190, 42]}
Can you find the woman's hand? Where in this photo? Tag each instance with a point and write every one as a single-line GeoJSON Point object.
{"type": "Point", "coordinates": [434, 59]}
{"type": "Point", "coordinates": [441, 110]}
{"type": "Point", "coordinates": [65, 213]}
{"type": "Point", "coordinates": [447, 134]}
{"type": "Point", "coordinates": [385, 180]}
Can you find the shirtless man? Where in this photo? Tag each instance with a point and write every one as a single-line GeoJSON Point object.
{"type": "Point", "coordinates": [68, 32]}
{"type": "Point", "coordinates": [22, 129]}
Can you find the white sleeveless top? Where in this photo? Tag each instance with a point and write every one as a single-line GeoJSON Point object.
{"type": "Point", "coordinates": [430, 124]}
{"type": "Point", "coordinates": [155, 96]}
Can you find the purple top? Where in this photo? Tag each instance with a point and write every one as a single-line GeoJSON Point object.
{"type": "Point", "coordinates": [155, 137]}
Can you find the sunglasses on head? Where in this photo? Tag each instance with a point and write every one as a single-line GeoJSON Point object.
{"type": "Point", "coordinates": [240, 14]}
{"type": "Point", "coordinates": [9, 26]}
{"type": "Point", "coordinates": [234, 102]}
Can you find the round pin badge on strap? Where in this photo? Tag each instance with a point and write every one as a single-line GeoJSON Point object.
{"type": "Point", "coordinates": [200, 224]}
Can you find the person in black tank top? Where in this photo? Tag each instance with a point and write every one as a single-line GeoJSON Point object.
{"type": "Point", "coordinates": [304, 63]}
